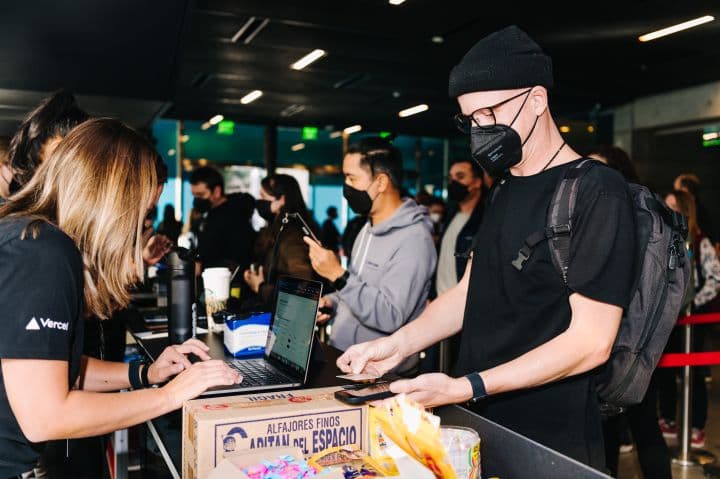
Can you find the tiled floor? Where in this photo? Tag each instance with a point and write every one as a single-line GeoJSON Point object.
{"type": "Point", "coordinates": [629, 467]}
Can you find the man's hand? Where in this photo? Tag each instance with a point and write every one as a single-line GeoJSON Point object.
{"type": "Point", "coordinates": [254, 279]}
{"type": "Point", "coordinates": [325, 302]}
{"type": "Point", "coordinates": [324, 261]}
{"type": "Point", "coordinates": [173, 360]}
{"type": "Point", "coordinates": [156, 247]}
{"type": "Point", "coordinates": [373, 357]}
{"type": "Point", "coordinates": [434, 389]}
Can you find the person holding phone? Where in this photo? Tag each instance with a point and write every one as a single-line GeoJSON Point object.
{"type": "Point", "coordinates": [66, 253]}
{"type": "Point", "coordinates": [279, 249]}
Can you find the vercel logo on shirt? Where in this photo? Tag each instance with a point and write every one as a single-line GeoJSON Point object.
{"type": "Point", "coordinates": [47, 323]}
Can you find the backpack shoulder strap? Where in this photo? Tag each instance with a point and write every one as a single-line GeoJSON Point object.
{"type": "Point", "coordinates": [560, 214]}
{"type": "Point", "coordinates": [558, 223]}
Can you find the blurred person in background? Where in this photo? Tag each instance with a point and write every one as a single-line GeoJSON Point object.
{"type": "Point", "coordinates": [170, 226]}
{"type": "Point", "coordinates": [437, 211]}
{"type": "Point", "coordinates": [703, 298]}
{"type": "Point", "coordinates": [330, 236]}
{"type": "Point", "coordinates": [279, 252]}
{"type": "Point", "coordinates": [690, 183]}
{"type": "Point", "coordinates": [225, 235]}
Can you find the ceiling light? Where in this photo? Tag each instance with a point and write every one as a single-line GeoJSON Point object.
{"type": "Point", "coordinates": [396, 2]}
{"type": "Point", "coordinates": [564, 129]}
{"type": "Point", "coordinates": [298, 147]}
{"type": "Point", "coordinates": [216, 119]}
{"type": "Point", "coordinates": [171, 152]}
{"type": "Point", "coordinates": [251, 97]}
{"type": "Point", "coordinates": [413, 110]}
{"type": "Point", "coordinates": [437, 39]}
{"type": "Point", "coordinates": [336, 134]}
{"type": "Point", "coordinates": [352, 129]}
{"type": "Point", "coordinates": [675, 28]}
{"type": "Point", "coordinates": [591, 129]}
{"type": "Point", "coordinates": [205, 126]}
{"type": "Point", "coordinates": [710, 136]}
{"type": "Point", "coordinates": [308, 59]}
{"type": "Point", "coordinates": [185, 138]}
{"type": "Point", "coordinates": [292, 110]}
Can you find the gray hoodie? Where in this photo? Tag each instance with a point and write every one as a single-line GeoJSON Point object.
{"type": "Point", "coordinates": [390, 275]}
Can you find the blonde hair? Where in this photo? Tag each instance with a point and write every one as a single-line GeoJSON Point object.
{"type": "Point", "coordinates": [96, 187]}
{"type": "Point", "coordinates": [686, 204]}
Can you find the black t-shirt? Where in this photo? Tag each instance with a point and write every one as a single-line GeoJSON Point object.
{"type": "Point", "coordinates": [226, 237]}
{"type": "Point", "coordinates": [41, 295]}
{"type": "Point", "coordinates": [510, 312]}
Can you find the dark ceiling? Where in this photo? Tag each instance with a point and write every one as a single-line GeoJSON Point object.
{"type": "Point", "coordinates": [176, 58]}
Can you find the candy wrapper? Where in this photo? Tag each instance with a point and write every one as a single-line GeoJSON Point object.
{"type": "Point", "coordinates": [284, 467]}
{"type": "Point", "coordinates": [415, 431]}
{"type": "Point", "coordinates": [353, 463]}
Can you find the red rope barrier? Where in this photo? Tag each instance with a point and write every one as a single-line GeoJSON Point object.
{"type": "Point", "coordinates": [674, 360]}
{"type": "Point", "coordinates": [706, 318]}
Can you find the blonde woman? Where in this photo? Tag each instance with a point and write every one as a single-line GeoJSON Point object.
{"type": "Point", "coordinates": [70, 246]}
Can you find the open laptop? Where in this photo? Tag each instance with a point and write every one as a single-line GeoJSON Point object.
{"type": "Point", "coordinates": [289, 341]}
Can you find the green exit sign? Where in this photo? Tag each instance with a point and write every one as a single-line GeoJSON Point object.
{"type": "Point", "coordinates": [384, 134]}
{"type": "Point", "coordinates": [309, 133]}
{"type": "Point", "coordinates": [226, 127]}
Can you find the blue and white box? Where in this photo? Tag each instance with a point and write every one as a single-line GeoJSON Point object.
{"type": "Point", "coordinates": [246, 335]}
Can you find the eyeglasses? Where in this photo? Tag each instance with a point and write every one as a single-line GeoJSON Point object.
{"type": "Point", "coordinates": [482, 117]}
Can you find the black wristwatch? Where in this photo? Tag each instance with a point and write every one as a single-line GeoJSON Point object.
{"type": "Point", "coordinates": [478, 386]}
{"type": "Point", "coordinates": [340, 282]}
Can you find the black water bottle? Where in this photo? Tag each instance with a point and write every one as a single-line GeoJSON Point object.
{"type": "Point", "coordinates": [181, 294]}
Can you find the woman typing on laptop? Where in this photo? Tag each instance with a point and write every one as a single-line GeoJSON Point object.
{"type": "Point", "coordinates": [70, 246]}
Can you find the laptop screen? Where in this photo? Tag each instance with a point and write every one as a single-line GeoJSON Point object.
{"type": "Point", "coordinates": [293, 324]}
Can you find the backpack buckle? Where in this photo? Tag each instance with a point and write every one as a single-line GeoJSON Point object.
{"type": "Point", "coordinates": [557, 230]}
{"type": "Point", "coordinates": [522, 257]}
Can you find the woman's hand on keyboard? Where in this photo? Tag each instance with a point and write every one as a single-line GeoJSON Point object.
{"type": "Point", "coordinates": [198, 378]}
{"type": "Point", "coordinates": [174, 360]}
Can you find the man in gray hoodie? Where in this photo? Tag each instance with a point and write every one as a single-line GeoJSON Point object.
{"type": "Point", "coordinates": [393, 259]}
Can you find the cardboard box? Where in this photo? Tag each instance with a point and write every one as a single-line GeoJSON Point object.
{"type": "Point", "coordinates": [310, 419]}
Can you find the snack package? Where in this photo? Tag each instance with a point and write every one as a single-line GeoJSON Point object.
{"type": "Point", "coordinates": [415, 431]}
{"type": "Point", "coordinates": [282, 467]}
{"type": "Point", "coordinates": [352, 462]}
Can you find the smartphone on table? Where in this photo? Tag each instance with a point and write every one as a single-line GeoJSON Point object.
{"type": "Point", "coordinates": [362, 395]}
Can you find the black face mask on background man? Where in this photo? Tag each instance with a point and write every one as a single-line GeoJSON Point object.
{"type": "Point", "coordinates": [457, 191]}
{"type": "Point", "coordinates": [264, 210]}
{"type": "Point", "coordinates": [202, 205]}
{"type": "Point", "coordinates": [497, 148]}
{"type": "Point", "coordinates": [358, 200]}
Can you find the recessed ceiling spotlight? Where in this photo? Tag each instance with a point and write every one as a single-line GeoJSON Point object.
{"type": "Point", "coordinates": [396, 94]}
{"type": "Point", "coordinates": [216, 119]}
{"type": "Point", "coordinates": [396, 2]}
{"type": "Point", "coordinates": [308, 59]}
{"type": "Point", "coordinates": [437, 39]}
{"type": "Point", "coordinates": [298, 147]}
{"type": "Point", "coordinates": [413, 110]}
{"type": "Point", "coordinates": [251, 97]}
{"type": "Point", "coordinates": [352, 129]}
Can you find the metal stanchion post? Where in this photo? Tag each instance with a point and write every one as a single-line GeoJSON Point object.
{"type": "Point", "coordinates": [685, 457]}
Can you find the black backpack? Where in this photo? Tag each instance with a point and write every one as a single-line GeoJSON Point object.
{"type": "Point", "coordinates": [660, 282]}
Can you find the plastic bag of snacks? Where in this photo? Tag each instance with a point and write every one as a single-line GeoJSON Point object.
{"type": "Point", "coordinates": [353, 463]}
{"type": "Point", "coordinates": [415, 431]}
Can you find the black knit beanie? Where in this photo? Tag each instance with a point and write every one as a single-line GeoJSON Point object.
{"type": "Point", "coordinates": [505, 60]}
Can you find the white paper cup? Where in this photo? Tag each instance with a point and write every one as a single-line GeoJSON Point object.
{"type": "Point", "coordinates": [217, 291]}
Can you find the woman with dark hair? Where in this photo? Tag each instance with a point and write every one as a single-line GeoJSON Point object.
{"type": "Point", "coordinates": [280, 252]}
{"type": "Point", "coordinates": [617, 159]}
{"type": "Point", "coordinates": [40, 133]}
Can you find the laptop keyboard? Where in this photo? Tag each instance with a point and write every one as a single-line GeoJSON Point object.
{"type": "Point", "coordinates": [256, 372]}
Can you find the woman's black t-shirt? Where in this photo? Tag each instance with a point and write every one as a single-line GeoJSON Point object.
{"type": "Point", "coordinates": [510, 312]}
{"type": "Point", "coordinates": [41, 297]}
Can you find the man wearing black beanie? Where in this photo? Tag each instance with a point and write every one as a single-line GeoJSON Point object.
{"type": "Point", "coordinates": [530, 337]}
